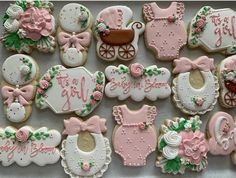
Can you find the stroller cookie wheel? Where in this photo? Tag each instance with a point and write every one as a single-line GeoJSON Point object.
{"type": "Point", "coordinates": [126, 51]}
{"type": "Point", "coordinates": [230, 98]}
{"type": "Point", "coordinates": [107, 51]}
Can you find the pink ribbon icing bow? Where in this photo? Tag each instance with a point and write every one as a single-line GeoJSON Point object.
{"type": "Point", "coordinates": [78, 41]}
{"type": "Point", "coordinates": [184, 64]}
{"type": "Point", "coordinates": [23, 94]}
{"type": "Point", "coordinates": [94, 124]}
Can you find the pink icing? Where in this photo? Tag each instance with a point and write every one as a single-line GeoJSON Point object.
{"type": "Point", "coordinates": [136, 70]}
{"type": "Point", "coordinates": [47, 77]}
{"type": "Point", "coordinates": [97, 95]}
{"type": "Point", "coordinates": [22, 134]}
{"type": "Point", "coordinates": [43, 84]}
{"type": "Point", "coordinates": [86, 166]}
{"type": "Point", "coordinates": [231, 63]}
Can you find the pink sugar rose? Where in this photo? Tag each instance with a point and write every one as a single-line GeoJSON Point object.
{"type": "Point", "coordinates": [197, 30]}
{"type": "Point", "coordinates": [97, 95]}
{"type": "Point", "coordinates": [99, 87]}
{"type": "Point", "coordinates": [200, 23]}
{"type": "Point", "coordinates": [43, 84]}
{"type": "Point", "coordinates": [199, 101]}
{"type": "Point", "coordinates": [86, 166]}
{"type": "Point", "coordinates": [93, 102]}
{"type": "Point", "coordinates": [40, 91]}
{"type": "Point", "coordinates": [47, 77]}
{"type": "Point", "coordinates": [193, 146]}
{"type": "Point", "coordinates": [22, 135]}
{"type": "Point", "coordinates": [36, 23]}
{"type": "Point", "coordinates": [136, 70]}
{"type": "Point", "coordinates": [141, 126]}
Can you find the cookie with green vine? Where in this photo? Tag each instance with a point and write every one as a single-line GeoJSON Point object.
{"type": "Point", "coordinates": [182, 146]}
{"type": "Point", "coordinates": [74, 34]}
{"type": "Point", "coordinates": [29, 24]}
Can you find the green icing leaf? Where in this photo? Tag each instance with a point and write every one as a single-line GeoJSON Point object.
{"type": "Point", "coordinates": [173, 166]}
{"type": "Point", "coordinates": [180, 126]}
{"type": "Point", "coordinates": [162, 144]}
{"type": "Point", "coordinates": [5, 17]}
{"type": "Point", "coordinates": [191, 167]}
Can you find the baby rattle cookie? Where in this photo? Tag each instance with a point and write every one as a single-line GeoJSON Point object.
{"type": "Point", "coordinates": [137, 82]}
{"type": "Point", "coordinates": [202, 97]}
{"type": "Point", "coordinates": [28, 25]}
{"type": "Point", "coordinates": [80, 157]}
{"type": "Point", "coordinates": [27, 145]}
{"type": "Point", "coordinates": [165, 32]}
{"type": "Point", "coordinates": [227, 80]}
{"type": "Point", "coordinates": [74, 34]}
{"type": "Point", "coordinates": [221, 134]}
{"type": "Point", "coordinates": [20, 73]}
{"type": "Point", "coordinates": [70, 90]}
{"type": "Point", "coordinates": [117, 34]}
{"type": "Point", "coordinates": [182, 146]}
{"type": "Point", "coordinates": [134, 138]}
{"type": "Point", "coordinates": [213, 30]}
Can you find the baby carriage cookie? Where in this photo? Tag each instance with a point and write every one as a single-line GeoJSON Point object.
{"type": "Point", "coordinates": [117, 35]}
{"type": "Point", "coordinates": [28, 25]}
{"type": "Point", "coordinates": [74, 34]}
{"type": "Point", "coordinates": [201, 98]}
{"type": "Point", "coordinates": [227, 80]}
{"type": "Point", "coordinates": [20, 73]}
{"type": "Point", "coordinates": [182, 146]}
{"type": "Point", "coordinates": [87, 162]}
{"type": "Point", "coordinates": [165, 31]}
{"type": "Point", "coordinates": [134, 138]}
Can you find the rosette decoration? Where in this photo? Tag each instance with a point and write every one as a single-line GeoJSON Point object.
{"type": "Point", "coordinates": [182, 146]}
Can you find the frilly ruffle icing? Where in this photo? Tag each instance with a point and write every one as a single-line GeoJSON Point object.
{"type": "Point", "coordinates": [180, 10]}
{"type": "Point", "coordinates": [148, 13]}
{"type": "Point", "coordinates": [151, 114]}
{"type": "Point", "coordinates": [117, 113]}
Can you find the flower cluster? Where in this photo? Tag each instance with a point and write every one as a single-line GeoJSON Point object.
{"type": "Point", "coordinates": [86, 166]}
{"type": "Point", "coordinates": [136, 70]}
{"type": "Point", "coordinates": [200, 24]}
{"type": "Point", "coordinates": [229, 75]}
{"type": "Point", "coordinates": [172, 18]}
{"type": "Point", "coordinates": [198, 100]}
{"type": "Point", "coordinates": [83, 17]}
{"type": "Point", "coordinates": [143, 125]}
{"type": "Point", "coordinates": [101, 27]}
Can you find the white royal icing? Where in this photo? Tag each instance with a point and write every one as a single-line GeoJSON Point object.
{"type": "Point", "coordinates": [172, 138]}
{"type": "Point", "coordinates": [73, 58]}
{"type": "Point", "coordinates": [16, 112]}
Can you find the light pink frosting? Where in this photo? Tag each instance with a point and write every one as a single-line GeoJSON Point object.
{"type": "Point", "coordinates": [231, 63]}
{"type": "Point", "coordinates": [136, 69]}
{"type": "Point", "coordinates": [22, 134]}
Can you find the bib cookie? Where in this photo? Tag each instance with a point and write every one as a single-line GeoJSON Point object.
{"type": "Point", "coordinates": [74, 34]}
{"type": "Point", "coordinates": [189, 99]}
{"type": "Point", "coordinates": [182, 146]}
{"type": "Point", "coordinates": [28, 25]}
{"type": "Point", "coordinates": [80, 163]}
{"type": "Point", "coordinates": [117, 34]}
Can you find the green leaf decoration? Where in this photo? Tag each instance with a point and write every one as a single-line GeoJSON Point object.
{"type": "Point", "coordinates": [162, 144]}
{"type": "Point", "coordinates": [84, 22]}
{"type": "Point", "coordinates": [173, 166]}
{"type": "Point", "coordinates": [191, 167]}
{"type": "Point", "coordinates": [5, 17]}
{"type": "Point", "coordinates": [180, 126]}
{"type": "Point", "coordinates": [21, 3]}
{"type": "Point", "coordinates": [151, 71]}
{"type": "Point", "coordinates": [123, 69]}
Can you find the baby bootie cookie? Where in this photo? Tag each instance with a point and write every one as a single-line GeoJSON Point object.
{"type": "Point", "coordinates": [227, 80]}
{"type": "Point", "coordinates": [20, 73]}
{"type": "Point", "coordinates": [213, 30]}
{"type": "Point", "coordinates": [28, 25]}
{"type": "Point", "coordinates": [74, 34]}
{"type": "Point", "coordinates": [201, 97]}
{"type": "Point", "coordinates": [137, 82]}
{"type": "Point", "coordinates": [221, 134]}
{"type": "Point", "coordinates": [70, 90]}
{"type": "Point", "coordinates": [134, 138]}
{"type": "Point", "coordinates": [27, 145]}
{"type": "Point", "coordinates": [117, 34]}
{"type": "Point", "coordinates": [182, 146]}
{"type": "Point", "coordinates": [80, 157]}
{"type": "Point", "coordinates": [165, 32]}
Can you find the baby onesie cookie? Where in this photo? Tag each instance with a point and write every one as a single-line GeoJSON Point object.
{"type": "Point", "coordinates": [74, 34]}
{"type": "Point", "coordinates": [20, 73]}
{"type": "Point", "coordinates": [26, 145]}
{"type": "Point", "coordinates": [137, 82]}
{"type": "Point", "coordinates": [227, 80]}
{"type": "Point", "coordinates": [29, 24]}
{"type": "Point", "coordinates": [182, 146]}
{"type": "Point", "coordinates": [94, 159]}
{"type": "Point", "coordinates": [165, 32]}
{"type": "Point", "coordinates": [213, 30]}
{"type": "Point", "coordinates": [70, 90]}
{"type": "Point", "coordinates": [134, 138]}
{"type": "Point", "coordinates": [222, 135]}
{"type": "Point", "coordinates": [202, 97]}
{"type": "Point", "coordinates": [117, 34]}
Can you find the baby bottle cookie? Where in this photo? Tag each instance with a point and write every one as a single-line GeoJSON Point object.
{"type": "Point", "coordinates": [94, 159]}
{"type": "Point", "coordinates": [134, 138]}
{"type": "Point", "coordinates": [201, 97]}
{"type": "Point", "coordinates": [20, 73]}
{"type": "Point", "coordinates": [165, 32]}
{"type": "Point", "coordinates": [182, 146]}
{"type": "Point", "coordinates": [74, 34]}
{"type": "Point", "coordinates": [117, 34]}
{"type": "Point", "coordinates": [28, 25]}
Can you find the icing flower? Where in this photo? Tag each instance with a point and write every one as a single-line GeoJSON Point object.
{"type": "Point", "coordinates": [86, 166]}
{"type": "Point", "coordinates": [230, 76]}
{"type": "Point", "coordinates": [171, 19]}
{"type": "Point", "coordinates": [83, 16]}
{"type": "Point", "coordinates": [97, 95]}
{"type": "Point", "coordinates": [193, 147]}
{"type": "Point", "coordinates": [197, 30]}
{"type": "Point", "coordinates": [102, 28]}
{"type": "Point", "coordinates": [136, 69]}
{"type": "Point", "coordinates": [21, 33]}
{"type": "Point", "coordinates": [36, 23]}
{"type": "Point", "coordinates": [22, 135]}
{"type": "Point", "coordinates": [198, 101]}
{"type": "Point", "coordinates": [43, 84]}
{"type": "Point", "coordinates": [99, 87]}
{"type": "Point", "coordinates": [200, 23]}
{"type": "Point", "coordinates": [47, 77]}
{"type": "Point", "coordinates": [40, 91]}
{"type": "Point", "coordinates": [93, 102]}
{"type": "Point", "coordinates": [142, 125]}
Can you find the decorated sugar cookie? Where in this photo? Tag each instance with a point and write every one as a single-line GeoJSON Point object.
{"type": "Point", "coordinates": [165, 32]}
{"type": "Point", "coordinates": [29, 24]}
{"type": "Point", "coordinates": [117, 34]}
{"type": "Point", "coordinates": [134, 138]}
{"type": "Point", "coordinates": [222, 135]}
{"type": "Point", "coordinates": [93, 160]}
{"type": "Point", "coordinates": [182, 146]}
{"type": "Point", "coordinates": [70, 90]}
{"type": "Point", "coordinates": [137, 82]}
{"type": "Point", "coordinates": [198, 99]}
{"type": "Point", "coordinates": [74, 34]}
{"type": "Point", "coordinates": [27, 145]}
{"type": "Point", "coordinates": [214, 30]}
{"type": "Point", "coordinates": [20, 73]}
{"type": "Point", "coordinates": [227, 80]}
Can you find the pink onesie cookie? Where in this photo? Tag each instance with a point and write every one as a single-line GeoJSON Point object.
{"type": "Point", "coordinates": [134, 138]}
{"type": "Point", "coordinates": [165, 31]}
